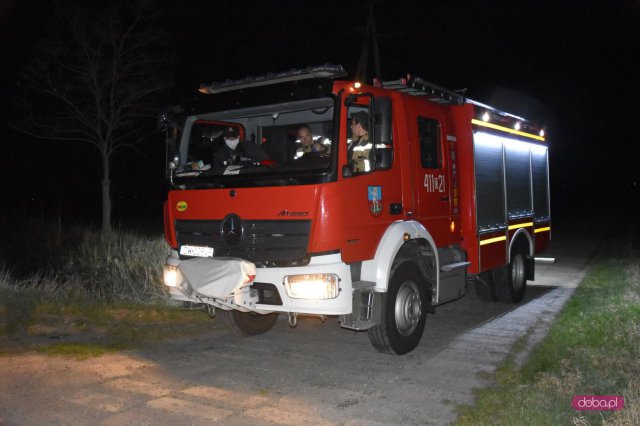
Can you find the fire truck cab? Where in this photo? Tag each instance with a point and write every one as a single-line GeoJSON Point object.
{"type": "Point", "coordinates": [441, 191]}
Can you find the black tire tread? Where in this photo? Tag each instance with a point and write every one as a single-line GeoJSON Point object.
{"type": "Point", "coordinates": [247, 324]}
{"type": "Point", "coordinates": [379, 335]}
{"type": "Point", "coordinates": [485, 288]}
{"type": "Point", "coordinates": [504, 287]}
{"type": "Point", "coordinates": [379, 338]}
{"type": "Point", "coordinates": [502, 279]}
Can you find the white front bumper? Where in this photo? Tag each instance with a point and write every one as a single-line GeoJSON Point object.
{"type": "Point", "coordinates": [242, 297]}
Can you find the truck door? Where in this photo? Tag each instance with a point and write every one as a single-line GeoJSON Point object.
{"type": "Point", "coordinates": [431, 176]}
{"type": "Point", "coordinates": [369, 187]}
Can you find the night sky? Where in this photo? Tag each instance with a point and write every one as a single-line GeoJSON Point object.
{"type": "Point", "coordinates": [570, 64]}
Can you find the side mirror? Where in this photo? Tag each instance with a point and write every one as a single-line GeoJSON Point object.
{"type": "Point", "coordinates": [164, 118]}
{"type": "Point", "coordinates": [167, 117]}
{"type": "Point", "coordinates": [350, 100]}
{"type": "Point", "coordinates": [382, 114]}
{"type": "Point", "coordinates": [175, 161]}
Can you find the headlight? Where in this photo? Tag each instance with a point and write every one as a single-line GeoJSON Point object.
{"type": "Point", "coordinates": [312, 286]}
{"type": "Point", "coordinates": [172, 276]}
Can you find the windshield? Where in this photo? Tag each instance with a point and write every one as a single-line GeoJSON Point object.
{"type": "Point", "coordinates": [275, 140]}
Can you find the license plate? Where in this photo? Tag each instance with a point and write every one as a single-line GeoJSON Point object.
{"type": "Point", "coordinates": [196, 251]}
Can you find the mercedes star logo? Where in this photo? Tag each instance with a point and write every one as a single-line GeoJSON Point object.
{"type": "Point", "coordinates": [231, 229]}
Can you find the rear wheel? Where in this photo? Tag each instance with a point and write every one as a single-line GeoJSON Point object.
{"type": "Point", "coordinates": [404, 311]}
{"type": "Point", "coordinates": [248, 323]}
{"type": "Point", "coordinates": [511, 280]}
{"type": "Point", "coordinates": [485, 287]}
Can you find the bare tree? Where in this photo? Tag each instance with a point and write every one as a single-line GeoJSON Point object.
{"type": "Point", "coordinates": [93, 80]}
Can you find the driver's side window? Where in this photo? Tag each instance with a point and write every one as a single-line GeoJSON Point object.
{"type": "Point", "coordinates": [359, 144]}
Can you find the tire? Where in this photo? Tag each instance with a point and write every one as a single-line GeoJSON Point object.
{"type": "Point", "coordinates": [511, 280]}
{"type": "Point", "coordinates": [404, 311]}
{"type": "Point", "coordinates": [485, 287]}
{"type": "Point", "coordinates": [248, 323]}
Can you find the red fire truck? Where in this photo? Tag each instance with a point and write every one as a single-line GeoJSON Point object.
{"type": "Point", "coordinates": [450, 192]}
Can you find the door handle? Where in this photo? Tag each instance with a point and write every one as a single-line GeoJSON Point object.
{"type": "Point", "coordinates": [444, 198]}
{"type": "Point", "coordinates": [395, 208]}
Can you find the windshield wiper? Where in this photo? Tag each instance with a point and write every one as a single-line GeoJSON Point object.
{"type": "Point", "coordinates": [258, 166]}
{"type": "Point", "coordinates": [190, 173]}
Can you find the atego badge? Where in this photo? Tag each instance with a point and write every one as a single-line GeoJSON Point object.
{"type": "Point", "coordinates": [375, 200]}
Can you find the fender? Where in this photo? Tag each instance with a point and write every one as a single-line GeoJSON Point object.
{"type": "Point", "coordinates": [515, 236]}
{"type": "Point", "coordinates": [529, 260]}
{"type": "Point", "coordinates": [378, 269]}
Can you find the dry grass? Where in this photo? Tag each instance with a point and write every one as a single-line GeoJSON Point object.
{"type": "Point", "coordinates": [123, 267]}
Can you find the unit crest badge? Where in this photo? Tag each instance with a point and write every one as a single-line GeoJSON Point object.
{"type": "Point", "coordinates": [375, 200]}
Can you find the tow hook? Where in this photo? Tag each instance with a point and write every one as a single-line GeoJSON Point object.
{"type": "Point", "coordinates": [293, 319]}
{"type": "Point", "coordinates": [211, 311]}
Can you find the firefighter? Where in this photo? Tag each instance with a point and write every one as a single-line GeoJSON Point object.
{"type": "Point", "coordinates": [209, 143]}
{"type": "Point", "coordinates": [305, 136]}
{"type": "Point", "coordinates": [360, 148]}
{"type": "Point", "coordinates": [236, 152]}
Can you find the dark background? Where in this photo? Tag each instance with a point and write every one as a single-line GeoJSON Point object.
{"type": "Point", "coordinates": [570, 64]}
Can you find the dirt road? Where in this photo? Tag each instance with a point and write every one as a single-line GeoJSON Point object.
{"type": "Point", "coordinates": [316, 373]}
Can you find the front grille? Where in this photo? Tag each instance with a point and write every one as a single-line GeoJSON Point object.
{"type": "Point", "coordinates": [267, 294]}
{"type": "Point", "coordinates": [261, 241]}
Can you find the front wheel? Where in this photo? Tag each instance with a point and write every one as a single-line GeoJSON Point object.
{"type": "Point", "coordinates": [511, 280]}
{"type": "Point", "coordinates": [404, 311]}
{"type": "Point", "coordinates": [248, 323]}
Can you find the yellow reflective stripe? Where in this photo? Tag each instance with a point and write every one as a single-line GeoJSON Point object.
{"type": "Point", "coordinates": [492, 240]}
{"type": "Point", "coordinates": [546, 228]}
{"type": "Point", "coordinates": [520, 225]}
{"type": "Point", "coordinates": [506, 129]}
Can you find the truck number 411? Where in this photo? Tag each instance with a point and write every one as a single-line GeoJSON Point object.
{"type": "Point", "coordinates": [434, 183]}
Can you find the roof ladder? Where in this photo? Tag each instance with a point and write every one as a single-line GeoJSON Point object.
{"type": "Point", "coordinates": [319, 71]}
{"type": "Point", "coordinates": [415, 86]}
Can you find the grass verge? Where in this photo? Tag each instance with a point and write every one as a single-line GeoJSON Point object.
{"type": "Point", "coordinates": [84, 331]}
{"type": "Point", "coordinates": [79, 350]}
{"type": "Point", "coordinates": [593, 348]}
{"type": "Point", "coordinates": [94, 294]}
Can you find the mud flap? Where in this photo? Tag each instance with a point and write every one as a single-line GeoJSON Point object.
{"type": "Point", "coordinates": [530, 268]}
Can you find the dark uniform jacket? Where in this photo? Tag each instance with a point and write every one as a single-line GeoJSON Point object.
{"type": "Point", "coordinates": [245, 152]}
